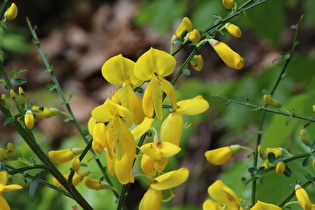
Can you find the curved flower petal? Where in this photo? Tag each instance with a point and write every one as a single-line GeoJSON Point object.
{"type": "Point", "coordinates": [170, 179]}
{"type": "Point", "coordinates": [211, 205]}
{"type": "Point", "coordinates": [185, 25]}
{"type": "Point", "coordinates": [221, 155]}
{"type": "Point", "coordinates": [4, 204]}
{"type": "Point", "coordinates": [3, 178]}
{"type": "Point", "coordinates": [193, 106]}
{"type": "Point", "coordinates": [147, 100]}
{"type": "Point", "coordinates": [163, 150]}
{"type": "Point", "coordinates": [11, 187]}
{"type": "Point", "coordinates": [154, 62]}
{"type": "Point", "coordinates": [140, 129]}
{"type": "Point", "coordinates": [151, 166]}
{"type": "Point", "coordinates": [223, 194]}
{"type": "Point", "coordinates": [118, 70]}
{"type": "Point", "coordinates": [172, 128]}
{"type": "Point", "coordinates": [123, 170]}
{"type": "Point", "coordinates": [64, 155]}
{"type": "Point", "coordinates": [265, 206]}
{"type": "Point", "coordinates": [152, 200]}
{"type": "Point", "coordinates": [303, 198]}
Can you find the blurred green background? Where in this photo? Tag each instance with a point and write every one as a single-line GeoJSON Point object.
{"type": "Point", "coordinates": [79, 36]}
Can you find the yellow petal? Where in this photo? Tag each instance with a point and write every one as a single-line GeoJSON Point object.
{"type": "Point", "coordinates": [154, 62]}
{"type": "Point", "coordinates": [3, 178]}
{"type": "Point", "coordinates": [170, 179]}
{"type": "Point", "coordinates": [229, 57]}
{"type": "Point", "coordinates": [29, 119]}
{"type": "Point", "coordinates": [99, 134]}
{"type": "Point", "coordinates": [233, 30]}
{"type": "Point", "coordinates": [303, 198]}
{"type": "Point", "coordinates": [157, 97]}
{"type": "Point", "coordinates": [4, 203]}
{"type": "Point", "coordinates": [64, 155]}
{"type": "Point", "coordinates": [151, 166]}
{"type": "Point", "coordinates": [197, 62]}
{"type": "Point", "coordinates": [152, 200]}
{"type": "Point", "coordinates": [75, 163]}
{"type": "Point", "coordinates": [172, 128]}
{"type": "Point", "coordinates": [94, 184]}
{"type": "Point", "coordinates": [123, 170]}
{"type": "Point", "coordinates": [44, 112]}
{"type": "Point", "coordinates": [169, 149]}
{"type": "Point", "coordinates": [11, 187]}
{"type": "Point", "coordinates": [211, 205]}
{"type": "Point", "coordinates": [219, 156]}
{"type": "Point", "coordinates": [110, 164]}
{"type": "Point", "coordinates": [265, 206]}
{"type": "Point", "coordinates": [132, 102]}
{"type": "Point", "coordinates": [168, 88]}
{"type": "Point", "coordinates": [194, 36]}
{"type": "Point", "coordinates": [140, 129]}
{"type": "Point", "coordinates": [119, 69]}
{"type": "Point", "coordinates": [228, 4]}
{"type": "Point", "coordinates": [223, 194]}
{"type": "Point", "coordinates": [193, 106]}
{"type": "Point", "coordinates": [147, 100]}
{"type": "Point", "coordinates": [185, 25]}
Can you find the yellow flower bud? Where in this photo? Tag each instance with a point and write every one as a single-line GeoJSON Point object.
{"type": "Point", "coordinates": [194, 36]}
{"type": "Point", "coordinates": [229, 57]}
{"type": "Point", "coordinates": [303, 198]}
{"type": "Point", "coordinates": [197, 62]}
{"type": "Point", "coordinates": [221, 155]}
{"type": "Point", "coordinates": [14, 97]}
{"type": "Point", "coordinates": [44, 112]}
{"type": "Point", "coordinates": [233, 30]}
{"type": "Point", "coordinates": [94, 184]}
{"type": "Point", "coordinates": [5, 101]}
{"type": "Point", "coordinates": [29, 119]}
{"type": "Point", "coordinates": [265, 206]}
{"type": "Point", "coordinates": [280, 168]}
{"type": "Point", "coordinates": [22, 95]}
{"type": "Point", "coordinates": [211, 205]}
{"type": "Point", "coordinates": [261, 152]}
{"type": "Point", "coordinates": [313, 108]}
{"type": "Point", "coordinates": [228, 4]}
{"type": "Point", "coordinates": [185, 25]}
{"type": "Point", "coordinates": [13, 151]}
{"type": "Point", "coordinates": [305, 137]}
{"type": "Point", "coordinates": [76, 179]}
{"type": "Point", "coordinates": [12, 12]}
{"type": "Point", "coordinates": [64, 155]}
{"type": "Point", "coordinates": [271, 102]}
{"type": "Point", "coordinates": [75, 163]}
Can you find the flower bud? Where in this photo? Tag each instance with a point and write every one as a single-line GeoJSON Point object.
{"type": "Point", "coordinates": [313, 108]}
{"type": "Point", "coordinates": [29, 119]}
{"type": "Point", "coordinates": [22, 95]}
{"type": "Point", "coordinates": [76, 179]}
{"type": "Point", "coordinates": [75, 163]}
{"type": "Point", "coordinates": [185, 25]}
{"type": "Point", "coordinates": [45, 112]}
{"type": "Point", "coordinates": [233, 30]}
{"type": "Point", "coordinates": [221, 155]}
{"type": "Point", "coordinates": [13, 151]}
{"type": "Point", "coordinates": [5, 101]}
{"type": "Point", "coordinates": [64, 155]}
{"type": "Point", "coordinates": [261, 152]}
{"type": "Point", "coordinates": [194, 35]}
{"type": "Point", "coordinates": [280, 168]}
{"type": "Point", "coordinates": [271, 102]}
{"type": "Point", "coordinates": [229, 57]}
{"type": "Point", "coordinates": [265, 206]}
{"type": "Point", "coordinates": [12, 12]}
{"type": "Point", "coordinates": [14, 97]}
{"type": "Point", "coordinates": [4, 154]}
{"type": "Point", "coordinates": [302, 197]}
{"type": "Point", "coordinates": [228, 4]}
{"type": "Point", "coordinates": [197, 62]}
{"type": "Point", "coordinates": [305, 137]}
{"type": "Point", "coordinates": [94, 184]}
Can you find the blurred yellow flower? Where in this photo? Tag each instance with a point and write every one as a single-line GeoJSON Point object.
{"type": "Point", "coordinates": [5, 188]}
{"type": "Point", "coordinates": [233, 30]}
{"type": "Point", "coordinates": [303, 198]}
{"type": "Point", "coordinates": [29, 119]}
{"type": "Point", "coordinates": [44, 112]}
{"type": "Point", "coordinates": [197, 62]}
{"type": "Point", "coordinates": [12, 12]}
{"type": "Point", "coordinates": [64, 155]}
{"type": "Point", "coordinates": [221, 155]}
{"type": "Point", "coordinates": [264, 206]}
{"type": "Point", "coordinates": [228, 4]}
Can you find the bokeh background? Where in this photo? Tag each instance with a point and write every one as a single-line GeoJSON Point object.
{"type": "Point", "coordinates": [79, 36]}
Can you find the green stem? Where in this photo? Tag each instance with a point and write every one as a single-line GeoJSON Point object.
{"type": "Point", "coordinates": [3, 9]}
{"type": "Point", "coordinates": [67, 105]}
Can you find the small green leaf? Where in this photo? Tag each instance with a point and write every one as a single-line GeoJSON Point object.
{"type": "Point", "coordinates": [139, 90]}
{"type": "Point", "coordinates": [19, 81]}
{"type": "Point", "coordinates": [7, 121]}
{"type": "Point", "coordinates": [261, 171]}
{"type": "Point", "coordinates": [186, 72]}
{"type": "Point", "coordinates": [20, 71]}
{"type": "Point", "coordinates": [306, 161]}
{"type": "Point", "coordinates": [34, 184]}
{"type": "Point", "coordinates": [287, 172]}
{"type": "Point", "coordinates": [271, 157]}
{"type": "Point", "coordinates": [252, 170]}
{"type": "Point", "coordinates": [309, 177]}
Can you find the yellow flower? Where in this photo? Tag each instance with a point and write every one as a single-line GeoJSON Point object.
{"type": "Point", "coordinates": [118, 71]}
{"type": "Point", "coordinates": [224, 195]}
{"type": "Point", "coordinates": [153, 197]}
{"type": "Point", "coordinates": [12, 12]}
{"type": "Point", "coordinates": [76, 179]}
{"type": "Point", "coordinates": [14, 153]}
{"type": "Point", "coordinates": [271, 101]}
{"type": "Point", "coordinates": [94, 184]}
{"type": "Point", "coordinates": [151, 166]}
{"type": "Point", "coordinates": [233, 30]}
{"type": "Point", "coordinates": [197, 62]}
{"type": "Point", "coordinates": [229, 57]}
{"type": "Point", "coordinates": [303, 198]}
{"type": "Point", "coordinates": [29, 119]}
{"type": "Point", "coordinates": [123, 169]}
{"type": "Point", "coordinates": [221, 155]}
{"type": "Point", "coordinates": [120, 119]}
{"type": "Point", "coordinates": [194, 35]}
{"type": "Point", "coordinates": [280, 168]}
{"type": "Point", "coordinates": [44, 112]}
{"type": "Point", "coordinates": [172, 127]}
{"type": "Point", "coordinates": [99, 137]}
{"type": "Point", "coordinates": [211, 205]}
{"type": "Point", "coordinates": [186, 32]}
{"type": "Point", "coordinates": [64, 155]}
{"type": "Point", "coordinates": [228, 4]}
{"type": "Point", "coordinates": [276, 151]}
{"type": "Point", "coordinates": [153, 65]}
{"type": "Point", "coordinates": [264, 206]}
{"type": "Point", "coordinates": [160, 150]}
{"type": "Point", "coordinates": [5, 188]}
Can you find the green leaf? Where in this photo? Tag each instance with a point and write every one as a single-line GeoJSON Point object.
{"type": "Point", "coordinates": [19, 81]}
{"type": "Point", "coordinates": [34, 184]}
{"type": "Point", "coordinates": [186, 72]}
{"type": "Point", "coordinates": [287, 172]}
{"type": "Point", "coordinates": [271, 157]}
{"type": "Point", "coordinates": [7, 121]}
{"type": "Point", "coordinates": [306, 161]}
{"type": "Point", "coordinates": [309, 177]}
